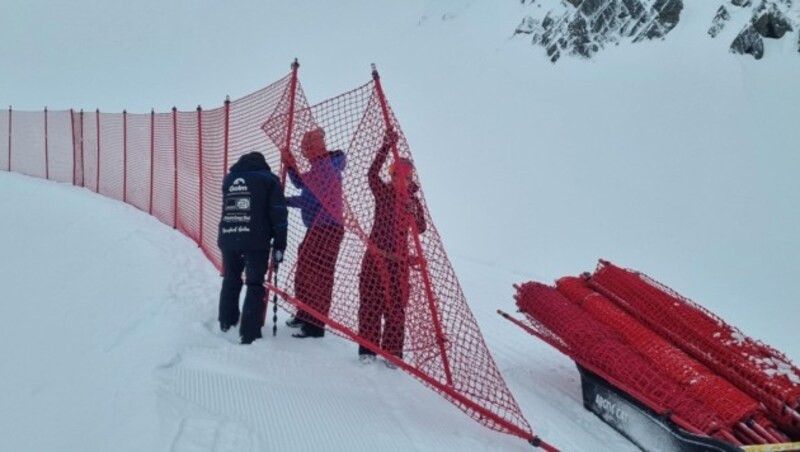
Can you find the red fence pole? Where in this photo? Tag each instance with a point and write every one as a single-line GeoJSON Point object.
{"type": "Point", "coordinates": [227, 134]}
{"type": "Point", "coordinates": [288, 148]}
{"type": "Point", "coordinates": [83, 157]}
{"type": "Point", "coordinates": [124, 156]}
{"type": "Point", "coordinates": [175, 166]}
{"type": "Point", "coordinates": [290, 126]}
{"type": "Point", "coordinates": [46, 152]}
{"type": "Point", "coordinates": [9, 138]}
{"type": "Point", "coordinates": [200, 170]}
{"type": "Point", "coordinates": [152, 156]}
{"type": "Point", "coordinates": [417, 244]}
{"type": "Point", "coordinates": [74, 151]}
{"type": "Point", "coordinates": [97, 116]}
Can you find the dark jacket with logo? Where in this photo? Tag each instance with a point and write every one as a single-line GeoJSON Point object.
{"type": "Point", "coordinates": [253, 207]}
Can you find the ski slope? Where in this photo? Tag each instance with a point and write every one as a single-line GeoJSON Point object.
{"type": "Point", "coordinates": [672, 157]}
{"type": "Point", "coordinates": [116, 347]}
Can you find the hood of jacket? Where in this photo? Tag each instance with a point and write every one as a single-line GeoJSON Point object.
{"type": "Point", "coordinates": [253, 161]}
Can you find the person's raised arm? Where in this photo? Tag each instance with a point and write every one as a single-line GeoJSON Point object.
{"type": "Point", "coordinates": [373, 175]}
{"type": "Point", "coordinates": [291, 168]}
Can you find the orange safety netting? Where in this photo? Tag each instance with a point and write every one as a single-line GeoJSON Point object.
{"type": "Point", "coordinates": [597, 347]}
{"type": "Point", "coordinates": [381, 277]}
{"type": "Point", "coordinates": [757, 369]}
{"type": "Point", "coordinates": [372, 266]}
{"type": "Point", "coordinates": [736, 409]}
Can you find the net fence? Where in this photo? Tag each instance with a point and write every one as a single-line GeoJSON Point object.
{"type": "Point", "coordinates": [367, 264]}
{"type": "Point", "coordinates": [670, 353]}
{"type": "Point", "coordinates": [372, 266]}
{"type": "Point", "coordinates": [757, 369]}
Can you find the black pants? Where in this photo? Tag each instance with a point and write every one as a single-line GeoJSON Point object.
{"type": "Point", "coordinates": [254, 264]}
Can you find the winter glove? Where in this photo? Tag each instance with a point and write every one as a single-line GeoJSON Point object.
{"type": "Point", "coordinates": [390, 138]}
{"type": "Point", "coordinates": [277, 256]}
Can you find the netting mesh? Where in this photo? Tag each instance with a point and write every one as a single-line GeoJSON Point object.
{"type": "Point", "coordinates": [90, 150]}
{"type": "Point", "coordinates": [137, 182]}
{"type": "Point", "coordinates": [757, 369]}
{"type": "Point", "coordinates": [59, 146]}
{"type": "Point", "coordinates": [111, 154]}
{"type": "Point", "coordinates": [5, 128]}
{"type": "Point", "coordinates": [735, 409]}
{"type": "Point", "coordinates": [596, 346]}
{"type": "Point", "coordinates": [164, 159]}
{"type": "Point", "coordinates": [27, 143]}
{"type": "Point", "coordinates": [371, 265]}
{"type": "Point", "coordinates": [368, 264]}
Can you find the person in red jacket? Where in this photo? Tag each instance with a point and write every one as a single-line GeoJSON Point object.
{"type": "Point", "coordinates": [385, 269]}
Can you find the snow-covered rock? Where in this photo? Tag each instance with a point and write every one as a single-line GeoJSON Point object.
{"type": "Point", "coordinates": [584, 27]}
{"type": "Point", "coordinates": [770, 19]}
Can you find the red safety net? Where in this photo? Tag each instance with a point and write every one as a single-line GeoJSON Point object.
{"type": "Point", "coordinates": [598, 348]}
{"type": "Point", "coordinates": [382, 278]}
{"type": "Point", "coordinates": [372, 266]}
{"type": "Point", "coordinates": [171, 164]}
{"type": "Point", "coordinates": [737, 410]}
{"type": "Point", "coordinates": [757, 369]}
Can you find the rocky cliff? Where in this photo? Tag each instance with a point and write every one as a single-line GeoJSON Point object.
{"type": "Point", "coordinates": [584, 27]}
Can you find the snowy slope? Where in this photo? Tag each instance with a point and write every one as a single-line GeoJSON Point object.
{"type": "Point", "coordinates": [117, 348]}
{"type": "Point", "coordinates": [673, 157]}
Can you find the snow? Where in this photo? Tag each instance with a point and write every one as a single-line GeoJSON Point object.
{"type": "Point", "coordinates": [672, 157]}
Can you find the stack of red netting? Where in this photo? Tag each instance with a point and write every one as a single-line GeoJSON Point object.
{"type": "Point", "coordinates": [669, 353]}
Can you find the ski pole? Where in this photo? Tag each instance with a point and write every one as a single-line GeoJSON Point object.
{"type": "Point", "coordinates": [275, 302]}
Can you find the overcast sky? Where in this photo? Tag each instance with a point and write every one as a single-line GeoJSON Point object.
{"type": "Point", "coordinates": [148, 53]}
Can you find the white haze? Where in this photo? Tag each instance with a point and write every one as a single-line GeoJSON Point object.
{"type": "Point", "coordinates": [672, 157]}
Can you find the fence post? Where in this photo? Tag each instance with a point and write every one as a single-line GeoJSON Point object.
{"type": "Point", "coordinates": [74, 151]}
{"type": "Point", "coordinates": [83, 156]}
{"type": "Point", "coordinates": [288, 148]}
{"type": "Point", "coordinates": [175, 166]}
{"type": "Point", "coordinates": [97, 119]}
{"type": "Point", "coordinates": [46, 151]}
{"type": "Point", "coordinates": [9, 138]}
{"type": "Point", "coordinates": [290, 125]}
{"type": "Point", "coordinates": [152, 156]}
{"type": "Point", "coordinates": [124, 156]}
{"type": "Point", "coordinates": [415, 233]}
{"type": "Point", "coordinates": [200, 169]}
{"type": "Point", "coordinates": [227, 134]}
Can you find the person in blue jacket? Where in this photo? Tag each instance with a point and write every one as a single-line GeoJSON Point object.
{"type": "Point", "coordinates": [253, 221]}
{"type": "Point", "coordinates": [320, 203]}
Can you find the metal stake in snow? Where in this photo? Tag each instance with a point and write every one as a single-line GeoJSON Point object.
{"type": "Point", "coordinates": [275, 301]}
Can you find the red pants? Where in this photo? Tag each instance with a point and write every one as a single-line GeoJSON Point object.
{"type": "Point", "coordinates": [384, 291]}
{"type": "Point", "coordinates": [316, 265]}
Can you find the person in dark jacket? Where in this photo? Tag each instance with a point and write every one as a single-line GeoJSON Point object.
{"type": "Point", "coordinates": [320, 204]}
{"type": "Point", "coordinates": [253, 220]}
{"type": "Point", "coordinates": [385, 270]}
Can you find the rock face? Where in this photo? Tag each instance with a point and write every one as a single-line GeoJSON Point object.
{"type": "Point", "coordinates": [770, 20]}
{"type": "Point", "coordinates": [750, 42]}
{"type": "Point", "coordinates": [720, 19]}
{"type": "Point", "coordinates": [584, 27]}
